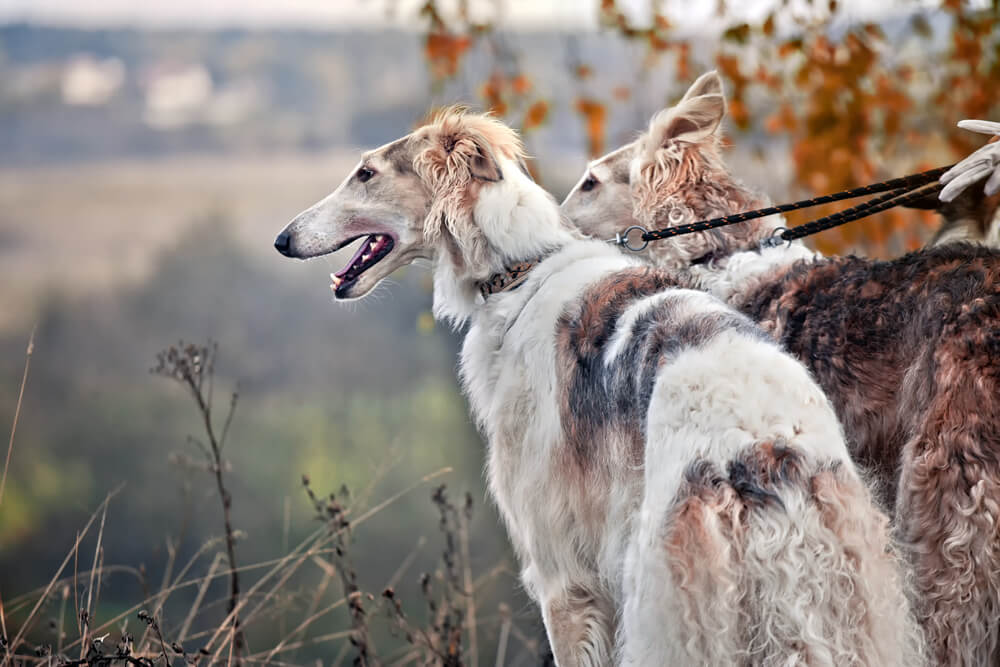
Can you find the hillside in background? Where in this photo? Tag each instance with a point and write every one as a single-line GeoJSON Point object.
{"type": "Point", "coordinates": [69, 94]}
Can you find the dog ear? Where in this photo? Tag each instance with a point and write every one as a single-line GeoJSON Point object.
{"type": "Point", "coordinates": [484, 166]}
{"type": "Point", "coordinates": [693, 120]}
{"type": "Point", "coordinates": [709, 83]}
{"type": "Point", "coordinates": [473, 149]}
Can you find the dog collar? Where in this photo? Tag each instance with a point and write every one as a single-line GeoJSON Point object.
{"type": "Point", "coordinates": [509, 279]}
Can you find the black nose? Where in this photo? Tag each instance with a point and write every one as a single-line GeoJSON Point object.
{"type": "Point", "coordinates": [283, 244]}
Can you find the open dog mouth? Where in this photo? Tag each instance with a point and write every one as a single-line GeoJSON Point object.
{"type": "Point", "coordinates": [372, 250]}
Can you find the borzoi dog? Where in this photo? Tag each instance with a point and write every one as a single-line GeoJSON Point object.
{"type": "Point", "coordinates": [907, 350]}
{"type": "Point", "coordinates": [677, 488]}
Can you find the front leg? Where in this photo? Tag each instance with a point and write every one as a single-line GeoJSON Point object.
{"type": "Point", "coordinates": [581, 627]}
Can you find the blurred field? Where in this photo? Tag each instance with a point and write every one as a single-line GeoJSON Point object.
{"type": "Point", "coordinates": [86, 228]}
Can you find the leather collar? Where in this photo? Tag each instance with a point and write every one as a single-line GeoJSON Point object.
{"type": "Point", "coordinates": [509, 279]}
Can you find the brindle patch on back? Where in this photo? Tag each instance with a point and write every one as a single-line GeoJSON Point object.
{"type": "Point", "coordinates": [601, 401]}
{"type": "Point", "coordinates": [582, 336]}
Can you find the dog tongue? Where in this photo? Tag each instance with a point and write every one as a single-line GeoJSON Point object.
{"type": "Point", "coordinates": [362, 249]}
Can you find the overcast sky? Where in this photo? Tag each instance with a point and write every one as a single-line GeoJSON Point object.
{"type": "Point", "coordinates": [571, 14]}
{"type": "Point", "coordinates": [328, 13]}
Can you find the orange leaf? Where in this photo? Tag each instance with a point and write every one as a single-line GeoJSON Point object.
{"type": "Point", "coordinates": [594, 115]}
{"type": "Point", "coordinates": [789, 47]}
{"type": "Point", "coordinates": [769, 25]}
{"type": "Point", "coordinates": [521, 84]}
{"type": "Point", "coordinates": [535, 115]}
{"type": "Point", "coordinates": [740, 115]}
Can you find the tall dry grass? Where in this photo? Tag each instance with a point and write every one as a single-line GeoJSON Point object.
{"type": "Point", "coordinates": [441, 628]}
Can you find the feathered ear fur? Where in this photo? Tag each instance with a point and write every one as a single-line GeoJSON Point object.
{"type": "Point", "coordinates": [709, 83]}
{"type": "Point", "coordinates": [677, 175]}
{"type": "Point", "coordinates": [681, 139]}
{"type": "Point", "coordinates": [458, 154]}
{"type": "Point", "coordinates": [698, 115]}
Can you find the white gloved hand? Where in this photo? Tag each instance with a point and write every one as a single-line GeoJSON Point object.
{"type": "Point", "coordinates": [977, 166]}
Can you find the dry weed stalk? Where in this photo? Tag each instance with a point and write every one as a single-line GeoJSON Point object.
{"type": "Point", "coordinates": [194, 367]}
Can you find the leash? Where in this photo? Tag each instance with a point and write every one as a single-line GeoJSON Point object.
{"type": "Point", "coordinates": [898, 192]}
{"type": "Point", "coordinates": [894, 192]}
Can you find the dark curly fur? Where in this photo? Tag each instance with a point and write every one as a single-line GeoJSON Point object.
{"type": "Point", "coordinates": [908, 350]}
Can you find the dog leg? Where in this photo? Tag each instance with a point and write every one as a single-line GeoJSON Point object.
{"type": "Point", "coordinates": [682, 572]}
{"type": "Point", "coordinates": [948, 515]}
{"type": "Point", "coordinates": [580, 626]}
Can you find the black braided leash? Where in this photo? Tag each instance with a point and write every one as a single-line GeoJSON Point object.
{"type": "Point", "coordinates": [876, 205]}
{"type": "Point", "coordinates": [895, 190]}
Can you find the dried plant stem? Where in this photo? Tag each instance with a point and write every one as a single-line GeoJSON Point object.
{"type": "Point", "coordinates": [151, 622]}
{"type": "Point", "coordinates": [25, 599]}
{"type": "Point", "coordinates": [470, 591]}
{"type": "Point", "coordinates": [310, 614]}
{"type": "Point", "coordinates": [85, 617]}
{"type": "Point", "coordinates": [227, 505]}
{"type": "Point", "coordinates": [345, 647]}
{"type": "Point", "coordinates": [502, 643]}
{"type": "Point", "coordinates": [26, 626]}
{"type": "Point", "coordinates": [287, 645]}
{"type": "Point", "coordinates": [3, 630]}
{"type": "Point", "coordinates": [162, 598]}
{"type": "Point", "coordinates": [62, 620]}
{"type": "Point", "coordinates": [297, 554]}
{"type": "Point", "coordinates": [271, 593]}
{"type": "Point", "coordinates": [76, 588]}
{"type": "Point", "coordinates": [17, 411]}
{"type": "Point", "coordinates": [393, 498]}
{"type": "Point", "coordinates": [333, 636]}
{"type": "Point", "coordinates": [275, 563]}
{"type": "Point", "coordinates": [192, 366]}
{"type": "Point", "coordinates": [199, 598]}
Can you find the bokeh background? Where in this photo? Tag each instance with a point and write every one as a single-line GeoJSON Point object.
{"type": "Point", "coordinates": [149, 152]}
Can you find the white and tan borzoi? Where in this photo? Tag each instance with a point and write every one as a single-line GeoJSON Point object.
{"type": "Point", "coordinates": [676, 487]}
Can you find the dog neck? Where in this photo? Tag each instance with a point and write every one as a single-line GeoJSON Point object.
{"type": "Point", "coordinates": [519, 223]}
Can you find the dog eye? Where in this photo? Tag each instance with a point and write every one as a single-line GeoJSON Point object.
{"type": "Point", "coordinates": [589, 184]}
{"type": "Point", "coordinates": [364, 174]}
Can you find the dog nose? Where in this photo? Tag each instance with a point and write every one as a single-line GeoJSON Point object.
{"type": "Point", "coordinates": [283, 244]}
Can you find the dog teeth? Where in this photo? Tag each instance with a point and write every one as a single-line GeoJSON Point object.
{"type": "Point", "coordinates": [336, 280]}
{"type": "Point", "coordinates": [365, 258]}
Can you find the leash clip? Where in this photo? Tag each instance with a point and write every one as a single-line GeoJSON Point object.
{"type": "Point", "coordinates": [621, 238]}
{"type": "Point", "coordinates": [774, 240]}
